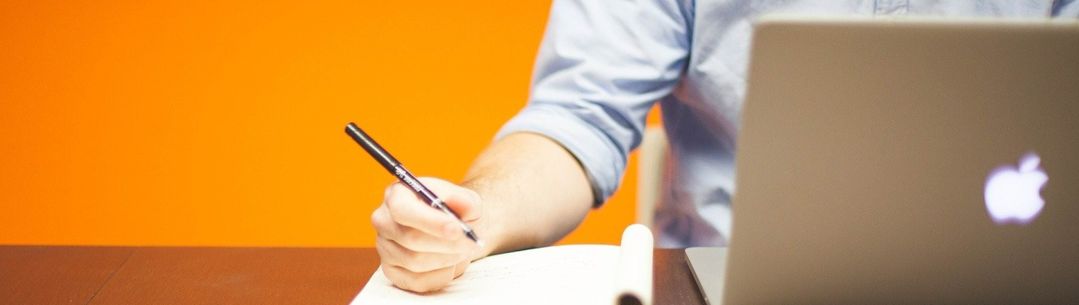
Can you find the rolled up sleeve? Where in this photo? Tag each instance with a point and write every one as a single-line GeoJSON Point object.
{"type": "Point", "coordinates": [1066, 9]}
{"type": "Point", "coordinates": [601, 66]}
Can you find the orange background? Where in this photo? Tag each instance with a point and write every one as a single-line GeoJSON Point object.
{"type": "Point", "coordinates": [220, 123]}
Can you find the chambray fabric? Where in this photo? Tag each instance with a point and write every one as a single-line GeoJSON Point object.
{"type": "Point", "coordinates": [604, 63]}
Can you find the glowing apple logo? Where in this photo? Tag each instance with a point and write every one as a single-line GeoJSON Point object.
{"type": "Point", "coordinates": [1013, 195]}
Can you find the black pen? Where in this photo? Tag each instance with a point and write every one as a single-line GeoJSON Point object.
{"type": "Point", "coordinates": [383, 157]}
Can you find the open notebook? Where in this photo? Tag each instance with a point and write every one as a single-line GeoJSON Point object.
{"type": "Point", "coordinates": [572, 274]}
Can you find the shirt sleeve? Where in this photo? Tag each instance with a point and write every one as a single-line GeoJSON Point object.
{"type": "Point", "coordinates": [601, 66]}
{"type": "Point", "coordinates": [1066, 9]}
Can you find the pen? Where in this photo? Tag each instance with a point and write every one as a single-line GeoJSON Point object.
{"type": "Point", "coordinates": [383, 157]}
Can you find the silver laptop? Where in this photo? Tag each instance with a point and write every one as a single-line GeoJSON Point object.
{"type": "Point", "coordinates": [905, 161]}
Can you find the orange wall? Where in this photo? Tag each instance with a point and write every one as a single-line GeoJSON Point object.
{"type": "Point", "coordinates": [220, 123]}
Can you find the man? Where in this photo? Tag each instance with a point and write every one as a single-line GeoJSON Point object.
{"type": "Point", "coordinates": [600, 68]}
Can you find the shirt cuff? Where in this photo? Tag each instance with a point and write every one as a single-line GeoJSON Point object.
{"type": "Point", "coordinates": [603, 162]}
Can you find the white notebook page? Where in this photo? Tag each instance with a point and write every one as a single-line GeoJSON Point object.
{"type": "Point", "coordinates": [575, 274]}
{"type": "Point", "coordinates": [572, 274]}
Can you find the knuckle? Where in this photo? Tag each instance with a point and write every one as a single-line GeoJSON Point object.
{"type": "Point", "coordinates": [410, 258]}
{"type": "Point", "coordinates": [413, 281]}
{"type": "Point", "coordinates": [384, 253]}
{"type": "Point", "coordinates": [398, 188]}
{"type": "Point", "coordinates": [400, 278]}
{"type": "Point", "coordinates": [428, 264]}
{"type": "Point", "coordinates": [395, 255]}
{"type": "Point", "coordinates": [417, 240]}
{"type": "Point", "coordinates": [378, 218]}
{"type": "Point", "coordinates": [392, 195]}
{"type": "Point", "coordinates": [407, 239]}
{"type": "Point", "coordinates": [400, 205]}
{"type": "Point", "coordinates": [388, 192]}
{"type": "Point", "coordinates": [421, 262]}
{"type": "Point", "coordinates": [417, 265]}
{"type": "Point", "coordinates": [410, 281]}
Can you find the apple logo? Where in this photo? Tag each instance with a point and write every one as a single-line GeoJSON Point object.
{"type": "Point", "coordinates": [1013, 194]}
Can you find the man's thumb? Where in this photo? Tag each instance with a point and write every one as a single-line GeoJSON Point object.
{"type": "Point", "coordinates": [466, 203]}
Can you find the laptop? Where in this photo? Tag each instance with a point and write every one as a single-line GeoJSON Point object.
{"type": "Point", "coordinates": [905, 161]}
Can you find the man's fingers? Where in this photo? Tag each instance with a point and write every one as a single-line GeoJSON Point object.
{"type": "Point", "coordinates": [423, 248]}
{"type": "Point", "coordinates": [395, 254]}
{"type": "Point", "coordinates": [460, 268]}
{"type": "Point", "coordinates": [417, 240]}
{"type": "Point", "coordinates": [421, 282]}
{"type": "Point", "coordinates": [408, 209]}
{"type": "Point", "coordinates": [463, 201]}
{"type": "Point", "coordinates": [383, 223]}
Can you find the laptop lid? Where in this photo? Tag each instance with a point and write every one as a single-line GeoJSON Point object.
{"type": "Point", "coordinates": [865, 154]}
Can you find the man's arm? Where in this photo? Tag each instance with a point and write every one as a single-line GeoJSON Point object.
{"type": "Point", "coordinates": [601, 66]}
{"type": "Point", "coordinates": [523, 191]}
{"type": "Point", "coordinates": [534, 192]}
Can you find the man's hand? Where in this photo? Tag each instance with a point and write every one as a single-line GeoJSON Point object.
{"type": "Point", "coordinates": [536, 193]}
{"type": "Point", "coordinates": [423, 249]}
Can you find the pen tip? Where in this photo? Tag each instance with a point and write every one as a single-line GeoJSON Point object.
{"type": "Point", "coordinates": [472, 235]}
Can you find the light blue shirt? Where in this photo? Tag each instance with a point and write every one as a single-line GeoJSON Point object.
{"type": "Point", "coordinates": [603, 63]}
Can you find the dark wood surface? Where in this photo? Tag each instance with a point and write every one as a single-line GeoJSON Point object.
{"type": "Point", "coordinates": [56, 275]}
{"type": "Point", "coordinates": [181, 275]}
{"type": "Point", "coordinates": [672, 281]}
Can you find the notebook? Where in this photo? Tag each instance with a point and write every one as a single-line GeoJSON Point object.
{"type": "Point", "coordinates": [568, 274]}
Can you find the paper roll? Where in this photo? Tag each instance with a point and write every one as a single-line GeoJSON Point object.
{"type": "Point", "coordinates": [633, 282]}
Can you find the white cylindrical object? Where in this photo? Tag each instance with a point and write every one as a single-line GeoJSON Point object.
{"type": "Point", "coordinates": [633, 282]}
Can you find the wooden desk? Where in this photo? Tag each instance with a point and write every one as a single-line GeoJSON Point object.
{"type": "Point", "coordinates": [176, 275]}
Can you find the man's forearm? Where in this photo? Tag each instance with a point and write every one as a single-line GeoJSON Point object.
{"type": "Point", "coordinates": [534, 192]}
